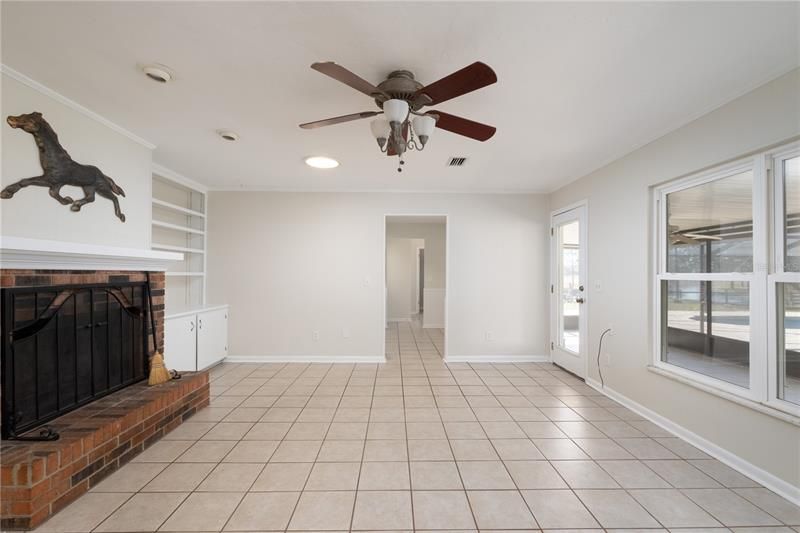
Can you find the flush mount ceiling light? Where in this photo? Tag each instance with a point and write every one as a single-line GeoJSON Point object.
{"type": "Point", "coordinates": [228, 135]}
{"type": "Point", "coordinates": [321, 162]}
{"type": "Point", "coordinates": [400, 97]}
{"type": "Point", "coordinates": [158, 73]}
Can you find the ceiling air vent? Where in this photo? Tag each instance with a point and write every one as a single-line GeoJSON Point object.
{"type": "Point", "coordinates": [456, 161]}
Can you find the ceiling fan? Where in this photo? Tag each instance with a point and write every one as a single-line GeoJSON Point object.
{"type": "Point", "coordinates": [401, 97]}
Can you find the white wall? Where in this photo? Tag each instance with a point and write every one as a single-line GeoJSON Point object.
{"type": "Point", "coordinates": [32, 213]}
{"type": "Point", "coordinates": [619, 260]}
{"type": "Point", "coordinates": [293, 263]}
{"type": "Point", "coordinates": [401, 276]}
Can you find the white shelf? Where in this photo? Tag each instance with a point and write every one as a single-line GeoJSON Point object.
{"type": "Point", "coordinates": [176, 227]}
{"type": "Point", "coordinates": [177, 208]}
{"type": "Point", "coordinates": [171, 248]}
{"type": "Point", "coordinates": [185, 274]}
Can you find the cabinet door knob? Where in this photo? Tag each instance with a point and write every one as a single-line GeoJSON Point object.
{"type": "Point", "coordinates": [200, 323]}
{"type": "Point", "coordinates": [191, 324]}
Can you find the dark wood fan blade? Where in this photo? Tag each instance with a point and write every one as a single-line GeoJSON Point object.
{"type": "Point", "coordinates": [338, 120]}
{"type": "Point", "coordinates": [464, 81]}
{"type": "Point", "coordinates": [463, 126]}
{"type": "Point", "coordinates": [339, 73]}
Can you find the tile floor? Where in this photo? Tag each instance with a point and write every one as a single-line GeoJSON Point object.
{"type": "Point", "coordinates": [417, 445]}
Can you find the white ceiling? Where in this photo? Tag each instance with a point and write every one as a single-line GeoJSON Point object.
{"type": "Point", "coordinates": [580, 84]}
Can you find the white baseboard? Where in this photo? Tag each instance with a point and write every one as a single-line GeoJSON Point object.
{"type": "Point", "coordinates": [398, 319]}
{"type": "Point", "coordinates": [433, 326]}
{"type": "Point", "coordinates": [497, 359]}
{"type": "Point", "coordinates": [770, 481]}
{"type": "Point", "coordinates": [371, 359]}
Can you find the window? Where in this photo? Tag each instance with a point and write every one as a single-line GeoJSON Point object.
{"type": "Point", "coordinates": [727, 287]}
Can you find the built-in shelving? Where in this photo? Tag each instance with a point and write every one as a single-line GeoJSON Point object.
{"type": "Point", "coordinates": [179, 218]}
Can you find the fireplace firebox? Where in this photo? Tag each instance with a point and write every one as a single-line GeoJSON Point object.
{"type": "Point", "coordinates": [65, 346]}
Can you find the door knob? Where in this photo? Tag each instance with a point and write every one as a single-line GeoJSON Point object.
{"type": "Point", "coordinates": [580, 300]}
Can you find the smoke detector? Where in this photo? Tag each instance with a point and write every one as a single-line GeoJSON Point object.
{"type": "Point", "coordinates": [158, 73]}
{"type": "Point", "coordinates": [228, 135]}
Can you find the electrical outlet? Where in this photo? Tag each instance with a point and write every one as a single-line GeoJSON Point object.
{"type": "Point", "coordinates": [489, 336]}
{"type": "Point", "coordinates": [315, 335]}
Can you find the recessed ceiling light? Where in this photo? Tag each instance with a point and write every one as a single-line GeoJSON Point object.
{"type": "Point", "coordinates": [158, 73]}
{"type": "Point", "coordinates": [228, 135]}
{"type": "Point", "coordinates": [321, 162]}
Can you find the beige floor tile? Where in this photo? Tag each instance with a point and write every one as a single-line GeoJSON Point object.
{"type": "Point", "coordinates": [384, 476]}
{"type": "Point", "coordinates": [341, 451]}
{"type": "Point", "coordinates": [503, 430]}
{"type": "Point", "coordinates": [439, 510]}
{"type": "Point", "coordinates": [542, 430]}
{"type": "Point", "coordinates": [464, 430]}
{"type": "Point", "coordinates": [130, 478]}
{"type": "Point", "coordinates": [268, 431]}
{"type": "Point", "coordinates": [425, 430]}
{"type": "Point", "coordinates": [307, 431]}
{"type": "Point", "coordinates": [558, 509]}
{"type": "Point", "coordinates": [435, 475]}
{"type": "Point", "coordinates": [179, 477]}
{"type": "Point", "coordinates": [296, 451]}
{"type": "Point", "coordinates": [500, 509]}
{"type": "Point", "coordinates": [333, 476]}
{"type": "Point", "coordinates": [616, 509]}
{"type": "Point", "coordinates": [559, 449]}
{"type": "Point", "coordinates": [516, 450]}
{"type": "Point", "coordinates": [682, 475]}
{"type": "Point", "coordinates": [584, 475]}
{"type": "Point", "coordinates": [386, 430]}
{"type": "Point", "coordinates": [429, 450]}
{"type": "Point", "coordinates": [207, 451]}
{"type": "Point", "coordinates": [251, 451]}
{"type": "Point", "coordinates": [382, 510]}
{"type": "Point", "coordinates": [231, 477]}
{"type": "Point", "coordinates": [473, 450]}
{"type": "Point", "coordinates": [282, 477]}
{"type": "Point", "coordinates": [263, 511]}
{"type": "Point", "coordinates": [724, 474]}
{"type": "Point", "coordinates": [164, 451]}
{"type": "Point", "coordinates": [347, 431]}
{"type": "Point", "coordinates": [85, 513]}
{"type": "Point", "coordinates": [189, 430]}
{"type": "Point", "coordinates": [143, 512]}
{"type": "Point", "coordinates": [673, 509]}
{"type": "Point", "coordinates": [645, 449]}
{"type": "Point", "coordinates": [485, 475]}
{"type": "Point", "coordinates": [203, 511]}
{"type": "Point", "coordinates": [228, 431]}
{"type": "Point", "coordinates": [633, 475]}
{"type": "Point", "coordinates": [323, 511]}
{"type": "Point", "coordinates": [730, 508]}
{"type": "Point", "coordinates": [599, 449]}
{"type": "Point", "coordinates": [535, 475]}
{"type": "Point", "coordinates": [780, 508]}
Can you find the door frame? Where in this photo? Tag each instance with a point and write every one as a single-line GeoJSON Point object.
{"type": "Point", "coordinates": [419, 286]}
{"type": "Point", "coordinates": [584, 267]}
{"type": "Point", "coordinates": [385, 315]}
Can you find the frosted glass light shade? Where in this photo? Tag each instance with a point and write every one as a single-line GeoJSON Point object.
{"type": "Point", "coordinates": [380, 128]}
{"type": "Point", "coordinates": [423, 125]}
{"type": "Point", "coordinates": [395, 110]}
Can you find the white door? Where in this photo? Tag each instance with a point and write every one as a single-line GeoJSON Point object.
{"type": "Point", "coordinates": [212, 337]}
{"type": "Point", "coordinates": [568, 290]}
{"type": "Point", "coordinates": [180, 343]}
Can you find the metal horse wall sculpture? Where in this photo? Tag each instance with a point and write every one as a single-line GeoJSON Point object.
{"type": "Point", "coordinates": [59, 169]}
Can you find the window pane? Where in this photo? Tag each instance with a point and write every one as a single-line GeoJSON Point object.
{"type": "Point", "coordinates": [570, 287]}
{"type": "Point", "coordinates": [791, 180]}
{"type": "Point", "coordinates": [706, 328]}
{"type": "Point", "coordinates": [789, 335]}
{"type": "Point", "coordinates": [710, 226]}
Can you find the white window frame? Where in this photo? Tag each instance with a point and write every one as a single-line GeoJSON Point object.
{"type": "Point", "coordinates": [768, 250]}
{"type": "Point", "coordinates": [778, 274]}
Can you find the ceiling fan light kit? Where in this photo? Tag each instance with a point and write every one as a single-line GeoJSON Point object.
{"type": "Point", "coordinates": [400, 97]}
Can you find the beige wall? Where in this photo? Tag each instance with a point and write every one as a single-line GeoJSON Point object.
{"type": "Point", "coordinates": [619, 261]}
{"type": "Point", "coordinates": [32, 213]}
{"type": "Point", "coordinates": [290, 264]}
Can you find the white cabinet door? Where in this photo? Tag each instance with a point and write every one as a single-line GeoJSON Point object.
{"type": "Point", "coordinates": [180, 343]}
{"type": "Point", "coordinates": [212, 337]}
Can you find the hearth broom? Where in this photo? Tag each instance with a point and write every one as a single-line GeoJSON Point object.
{"type": "Point", "coordinates": [158, 371]}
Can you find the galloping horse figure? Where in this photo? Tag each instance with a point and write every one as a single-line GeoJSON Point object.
{"type": "Point", "coordinates": [60, 169]}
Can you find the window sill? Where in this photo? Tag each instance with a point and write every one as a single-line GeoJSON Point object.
{"type": "Point", "coordinates": [756, 406]}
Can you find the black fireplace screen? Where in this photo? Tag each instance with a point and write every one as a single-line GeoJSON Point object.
{"type": "Point", "coordinates": [64, 347]}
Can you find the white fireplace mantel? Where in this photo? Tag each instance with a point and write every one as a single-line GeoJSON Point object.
{"type": "Point", "coordinates": [21, 253]}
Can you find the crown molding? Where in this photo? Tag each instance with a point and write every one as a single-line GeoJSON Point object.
{"type": "Point", "coordinates": [170, 174]}
{"type": "Point", "coordinates": [58, 97]}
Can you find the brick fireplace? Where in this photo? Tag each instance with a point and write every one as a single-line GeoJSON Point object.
{"type": "Point", "coordinates": [97, 434]}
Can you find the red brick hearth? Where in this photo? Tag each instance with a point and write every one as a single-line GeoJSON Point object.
{"type": "Point", "coordinates": [40, 478]}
